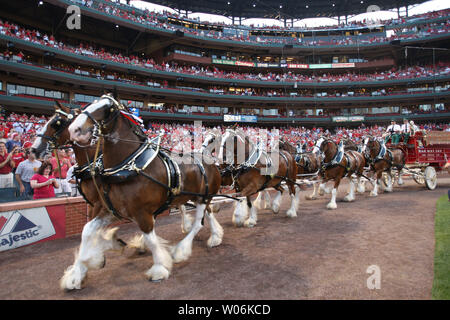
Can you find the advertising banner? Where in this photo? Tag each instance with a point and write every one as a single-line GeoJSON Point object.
{"type": "Point", "coordinates": [343, 65]}
{"type": "Point", "coordinates": [245, 63]}
{"type": "Point", "coordinates": [239, 118]}
{"type": "Point", "coordinates": [297, 66]}
{"type": "Point", "coordinates": [25, 226]}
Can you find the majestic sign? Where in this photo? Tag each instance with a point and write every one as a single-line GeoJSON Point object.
{"type": "Point", "coordinates": [22, 227]}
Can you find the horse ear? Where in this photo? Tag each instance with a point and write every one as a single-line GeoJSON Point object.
{"type": "Point", "coordinates": [57, 105]}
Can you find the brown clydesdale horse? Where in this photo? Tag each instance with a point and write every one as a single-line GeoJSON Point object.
{"type": "Point", "coordinates": [248, 170]}
{"type": "Point", "coordinates": [382, 159]}
{"type": "Point", "coordinates": [54, 135]}
{"type": "Point", "coordinates": [338, 164]}
{"type": "Point", "coordinates": [139, 182]}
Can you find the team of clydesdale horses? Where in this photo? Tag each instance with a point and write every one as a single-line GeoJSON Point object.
{"type": "Point", "coordinates": [122, 174]}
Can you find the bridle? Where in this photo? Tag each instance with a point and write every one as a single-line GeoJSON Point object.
{"type": "Point", "coordinates": [62, 123]}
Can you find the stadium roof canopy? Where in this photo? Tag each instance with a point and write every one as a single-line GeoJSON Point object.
{"type": "Point", "coordinates": [284, 9]}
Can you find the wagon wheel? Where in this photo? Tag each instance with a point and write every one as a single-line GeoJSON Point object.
{"type": "Point", "coordinates": [430, 177]}
{"type": "Point", "coordinates": [419, 177]}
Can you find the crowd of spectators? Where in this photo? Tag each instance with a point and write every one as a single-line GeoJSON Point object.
{"type": "Point", "coordinates": [159, 20]}
{"type": "Point", "coordinates": [413, 72]}
{"type": "Point", "coordinates": [44, 178]}
{"type": "Point", "coordinates": [408, 73]}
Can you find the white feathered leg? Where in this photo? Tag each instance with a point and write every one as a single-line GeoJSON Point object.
{"type": "Point", "coordinates": [266, 199]}
{"type": "Point", "coordinates": [259, 202]}
{"type": "Point", "coordinates": [295, 198]}
{"type": "Point", "coordinates": [186, 220]}
{"type": "Point", "coordinates": [332, 203]}
{"type": "Point", "coordinates": [240, 213]}
{"type": "Point", "coordinates": [361, 185]}
{"type": "Point", "coordinates": [276, 202]}
{"type": "Point", "coordinates": [400, 180]}
{"type": "Point", "coordinates": [389, 186]}
{"type": "Point", "coordinates": [351, 194]}
{"type": "Point", "coordinates": [162, 261]}
{"type": "Point", "coordinates": [216, 231]}
{"type": "Point", "coordinates": [182, 251]}
{"type": "Point", "coordinates": [374, 191]}
{"type": "Point", "coordinates": [90, 255]}
{"type": "Point", "coordinates": [313, 196]}
{"type": "Point", "coordinates": [253, 218]}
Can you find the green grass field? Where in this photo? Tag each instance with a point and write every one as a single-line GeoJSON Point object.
{"type": "Point", "coordinates": [441, 282]}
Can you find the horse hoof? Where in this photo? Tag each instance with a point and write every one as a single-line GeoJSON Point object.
{"type": "Point", "coordinates": [155, 281]}
{"type": "Point", "coordinates": [291, 213]}
{"type": "Point", "coordinates": [331, 206]}
{"type": "Point", "coordinates": [347, 199]}
{"type": "Point", "coordinates": [373, 195]}
{"type": "Point", "coordinates": [157, 273]}
{"type": "Point", "coordinates": [250, 223]}
{"type": "Point", "coordinates": [181, 253]}
{"type": "Point", "coordinates": [214, 241]}
{"type": "Point", "coordinates": [310, 198]}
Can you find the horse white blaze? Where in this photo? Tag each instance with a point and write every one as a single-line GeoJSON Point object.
{"type": "Point", "coordinates": [75, 130]}
{"type": "Point", "coordinates": [316, 147]}
{"type": "Point", "coordinates": [363, 149]}
{"type": "Point", "coordinates": [182, 251]}
{"type": "Point", "coordinates": [162, 261]}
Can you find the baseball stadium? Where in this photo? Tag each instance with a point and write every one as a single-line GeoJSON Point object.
{"type": "Point", "coordinates": [225, 150]}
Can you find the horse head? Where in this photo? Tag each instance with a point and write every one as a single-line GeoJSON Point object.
{"type": "Point", "coordinates": [97, 118]}
{"type": "Point", "coordinates": [317, 145]}
{"type": "Point", "coordinates": [233, 147]}
{"type": "Point", "coordinates": [328, 148]}
{"type": "Point", "coordinates": [211, 143]}
{"type": "Point", "coordinates": [372, 146]}
{"type": "Point", "coordinates": [55, 132]}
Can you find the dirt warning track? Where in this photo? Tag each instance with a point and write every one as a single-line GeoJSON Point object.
{"type": "Point", "coordinates": [321, 254]}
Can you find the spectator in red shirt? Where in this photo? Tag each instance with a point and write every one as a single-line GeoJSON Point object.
{"type": "Point", "coordinates": [6, 167]}
{"type": "Point", "coordinates": [18, 156]}
{"type": "Point", "coordinates": [43, 182]}
{"type": "Point", "coordinates": [64, 165]}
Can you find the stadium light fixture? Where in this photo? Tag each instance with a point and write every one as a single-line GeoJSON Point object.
{"type": "Point", "coordinates": [254, 5]}
{"type": "Point", "coordinates": [40, 3]}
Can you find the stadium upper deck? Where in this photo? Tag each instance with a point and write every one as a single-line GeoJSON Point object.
{"type": "Point", "coordinates": [152, 59]}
